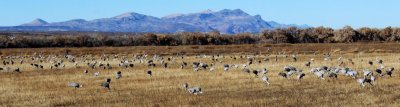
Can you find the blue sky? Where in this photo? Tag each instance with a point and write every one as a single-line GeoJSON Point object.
{"type": "Point", "coordinates": [331, 13]}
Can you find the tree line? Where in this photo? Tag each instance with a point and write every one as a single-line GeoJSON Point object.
{"type": "Point", "coordinates": [281, 35]}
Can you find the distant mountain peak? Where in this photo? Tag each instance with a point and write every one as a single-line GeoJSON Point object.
{"type": "Point", "coordinates": [227, 21]}
{"type": "Point", "coordinates": [129, 15]}
{"type": "Point", "coordinates": [36, 22]}
{"type": "Point", "coordinates": [173, 15]}
{"type": "Point", "coordinates": [78, 20]}
{"type": "Point", "coordinates": [207, 11]}
{"type": "Point", "coordinates": [236, 11]}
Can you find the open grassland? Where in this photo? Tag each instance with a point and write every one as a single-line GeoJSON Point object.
{"type": "Point", "coordinates": [49, 87]}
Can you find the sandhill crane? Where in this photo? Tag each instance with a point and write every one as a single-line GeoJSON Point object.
{"type": "Point", "coordinates": [96, 74]}
{"type": "Point", "coordinates": [312, 70]}
{"type": "Point", "coordinates": [379, 61]}
{"type": "Point", "coordinates": [289, 68]}
{"type": "Point", "coordinates": [91, 65]}
{"type": "Point", "coordinates": [255, 72]}
{"type": "Point", "coordinates": [74, 84]}
{"type": "Point", "coordinates": [196, 64]}
{"type": "Point", "coordinates": [282, 74]}
{"type": "Point", "coordinates": [212, 69]}
{"type": "Point", "coordinates": [332, 75]}
{"type": "Point", "coordinates": [226, 67]}
{"type": "Point", "coordinates": [106, 84]}
{"type": "Point", "coordinates": [370, 62]}
{"type": "Point", "coordinates": [373, 79]}
{"type": "Point", "coordinates": [362, 81]}
{"type": "Point", "coordinates": [389, 71]}
{"type": "Point", "coordinates": [192, 90]}
{"type": "Point", "coordinates": [110, 67]}
{"type": "Point", "coordinates": [165, 65]}
{"type": "Point", "coordinates": [300, 76]}
{"type": "Point", "coordinates": [294, 57]}
{"type": "Point", "coordinates": [196, 69]}
{"type": "Point", "coordinates": [185, 85]}
{"type": "Point", "coordinates": [203, 65]}
{"type": "Point", "coordinates": [342, 71]}
{"type": "Point", "coordinates": [245, 66]}
{"type": "Point", "coordinates": [308, 64]}
{"type": "Point", "coordinates": [264, 71]}
{"type": "Point", "coordinates": [149, 73]}
{"type": "Point", "coordinates": [184, 63]}
{"type": "Point", "coordinates": [382, 67]}
{"type": "Point", "coordinates": [246, 70]}
{"type": "Point", "coordinates": [379, 71]}
{"type": "Point", "coordinates": [290, 73]}
{"type": "Point", "coordinates": [195, 90]}
{"type": "Point", "coordinates": [151, 65]}
{"type": "Point", "coordinates": [17, 70]}
{"type": "Point", "coordinates": [265, 79]}
{"type": "Point", "coordinates": [86, 71]}
{"type": "Point", "coordinates": [118, 75]}
{"type": "Point", "coordinates": [319, 75]}
{"type": "Point", "coordinates": [250, 61]}
{"type": "Point", "coordinates": [352, 73]}
{"type": "Point", "coordinates": [367, 73]}
{"type": "Point", "coordinates": [325, 68]}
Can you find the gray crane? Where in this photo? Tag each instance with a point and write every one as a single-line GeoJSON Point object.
{"type": "Point", "coordinates": [74, 84]}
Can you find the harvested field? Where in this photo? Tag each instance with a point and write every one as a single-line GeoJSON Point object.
{"type": "Point", "coordinates": [48, 86]}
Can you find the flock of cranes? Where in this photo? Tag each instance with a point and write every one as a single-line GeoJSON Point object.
{"type": "Point", "coordinates": [37, 61]}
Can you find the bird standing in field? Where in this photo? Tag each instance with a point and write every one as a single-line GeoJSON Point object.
{"type": "Point", "coordinates": [332, 75]}
{"type": "Point", "coordinates": [265, 79]}
{"type": "Point", "coordinates": [300, 76]}
{"type": "Point", "coordinates": [308, 64]}
{"type": "Point", "coordinates": [106, 84]}
{"type": "Point", "coordinates": [389, 71]}
{"type": "Point", "coordinates": [264, 71]}
{"type": "Point", "coordinates": [96, 74]}
{"type": "Point", "coordinates": [282, 74]}
{"type": "Point", "coordinates": [319, 75]}
{"type": "Point", "coordinates": [118, 75]}
{"type": "Point", "coordinates": [362, 81]}
{"type": "Point", "coordinates": [226, 67]}
{"type": "Point", "coordinates": [255, 72]}
{"type": "Point", "coordinates": [192, 90]}
{"type": "Point", "coordinates": [74, 84]}
{"type": "Point", "coordinates": [379, 71]}
{"type": "Point", "coordinates": [185, 85]}
{"type": "Point", "coordinates": [370, 62]}
{"type": "Point", "coordinates": [149, 73]}
{"type": "Point", "coordinates": [17, 70]}
{"type": "Point", "coordinates": [86, 71]}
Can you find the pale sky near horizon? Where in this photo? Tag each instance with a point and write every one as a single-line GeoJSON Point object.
{"type": "Point", "coordinates": [330, 13]}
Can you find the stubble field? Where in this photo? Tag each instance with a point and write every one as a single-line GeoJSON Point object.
{"type": "Point", "coordinates": [49, 87]}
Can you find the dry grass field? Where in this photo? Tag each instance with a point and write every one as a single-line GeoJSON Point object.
{"type": "Point", "coordinates": [49, 87]}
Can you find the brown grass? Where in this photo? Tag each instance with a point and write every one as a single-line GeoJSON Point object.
{"type": "Point", "coordinates": [47, 87]}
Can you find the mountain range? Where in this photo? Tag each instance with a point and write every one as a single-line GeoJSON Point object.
{"type": "Point", "coordinates": [225, 21]}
